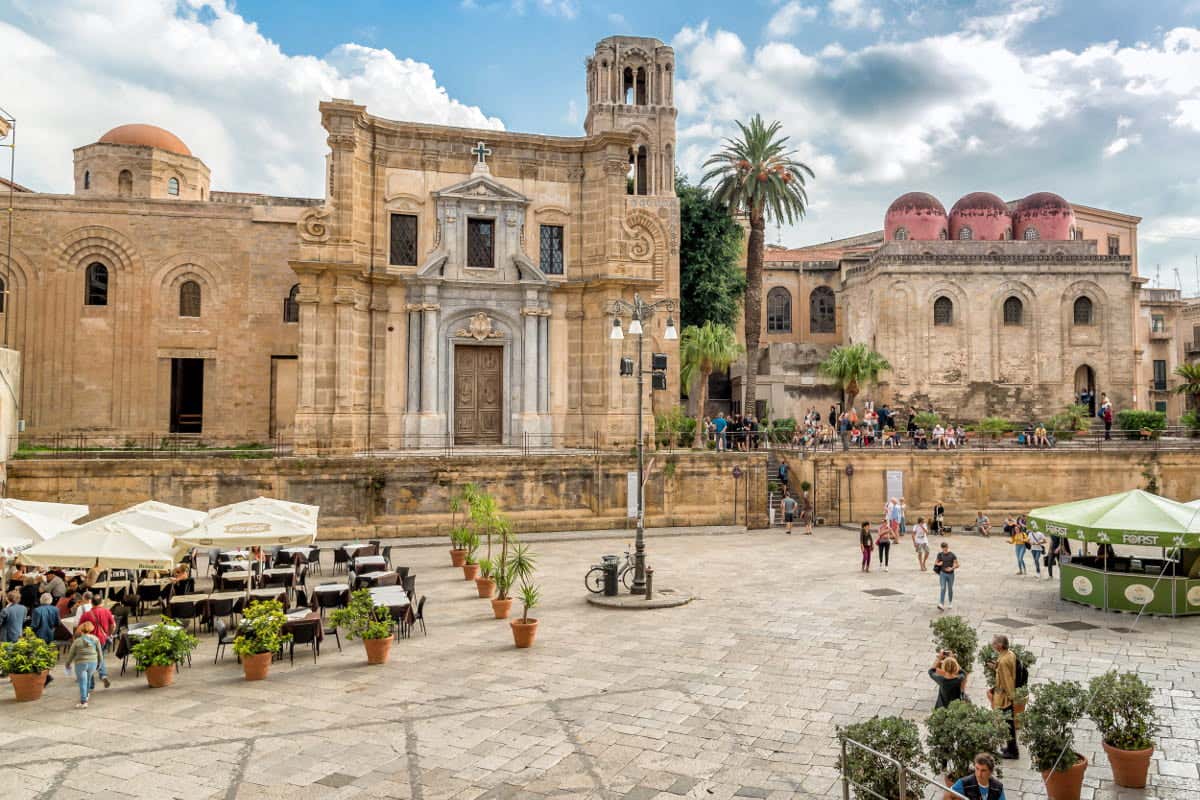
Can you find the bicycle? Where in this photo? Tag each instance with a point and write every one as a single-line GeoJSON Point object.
{"type": "Point", "coordinates": [594, 579]}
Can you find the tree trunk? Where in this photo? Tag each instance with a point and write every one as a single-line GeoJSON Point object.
{"type": "Point", "coordinates": [753, 310]}
{"type": "Point", "coordinates": [851, 393]}
{"type": "Point", "coordinates": [701, 403]}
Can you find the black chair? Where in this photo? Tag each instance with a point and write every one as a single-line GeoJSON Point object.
{"type": "Point", "coordinates": [123, 648]}
{"type": "Point", "coordinates": [410, 586]}
{"type": "Point", "coordinates": [387, 555]}
{"type": "Point", "coordinates": [225, 637]}
{"type": "Point", "coordinates": [333, 631]}
{"type": "Point", "coordinates": [332, 600]}
{"type": "Point", "coordinates": [151, 593]}
{"type": "Point", "coordinates": [306, 632]}
{"type": "Point", "coordinates": [340, 556]}
{"type": "Point", "coordinates": [278, 579]}
{"type": "Point", "coordinates": [223, 607]}
{"type": "Point", "coordinates": [420, 615]}
{"type": "Point", "coordinates": [186, 611]}
{"type": "Point", "coordinates": [402, 572]}
{"type": "Point", "coordinates": [301, 598]}
{"type": "Point", "coordinates": [283, 559]}
{"type": "Point", "coordinates": [314, 559]}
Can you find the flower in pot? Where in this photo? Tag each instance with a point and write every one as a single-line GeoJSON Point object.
{"type": "Point", "coordinates": [957, 733]}
{"type": "Point", "coordinates": [517, 567]}
{"type": "Point", "coordinates": [954, 634]}
{"type": "Point", "coordinates": [470, 563]}
{"type": "Point", "coordinates": [1121, 708]}
{"type": "Point", "coordinates": [27, 661]}
{"type": "Point", "coordinates": [260, 637]}
{"type": "Point", "coordinates": [1048, 731]}
{"type": "Point", "coordinates": [894, 737]}
{"type": "Point", "coordinates": [486, 583]}
{"type": "Point", "coordinates": [157, 654]}
{"type": "Point", "coordinates": [525, 629]}
{"type": "Point", "coordinates": [362, 619]}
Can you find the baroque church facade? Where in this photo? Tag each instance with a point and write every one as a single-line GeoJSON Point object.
{"type": "Point", "coordinates": [454, 286]}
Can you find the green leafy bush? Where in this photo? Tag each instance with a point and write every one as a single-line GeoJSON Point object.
{"type": "Point", "coordinates": [1133, 421]}
{"type": "Point", "coordinates": [168, 643]}
{"type": "Point", "coordinates": [988, 656]}
{"type": "Point", "coordinates": [993, 426]}
{"type": "Point", "coordinates": [261, 630]}
{"type": "Point", "coordinates": [781, 430]}
{"type": "Point", "coordinates": [926, 419]}
{"type": "Point", "coordinates": [894, 737]}
{"type": "Point", "coordinates": [28, 655]}
{"type": "Point", "coordinates": [362, 619]}
{"type": "Point", "coordinates": [1191, 421]}
{"type": "Point", "coordinates": [954, 634]}
{"type": "Point", "coordinates": [955, 734]}
{"type": "Point", "coordinates": [1121, 708]}
{"type": "Point", "coordinates": [674, 428]}
{"type": "Point", "coordinates": [1048, 724]}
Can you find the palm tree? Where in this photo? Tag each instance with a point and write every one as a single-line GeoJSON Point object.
{"type": "Point", "coordinates": [703, 351]}
{"type": "Point", "coordinates": [757, 175]}
{"type": "Point", "coordinates": [852, 366]}
{"type": "Point", "coordinates": [1191, 382]}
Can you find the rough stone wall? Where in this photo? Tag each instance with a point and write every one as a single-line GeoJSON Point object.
{"type": "Point", "coordinates": [564, 492]}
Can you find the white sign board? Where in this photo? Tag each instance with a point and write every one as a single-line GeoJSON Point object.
{"type": "Point", "coordinates": [895, 484]}
{"type": "Point", "coordinates": [631, 495]}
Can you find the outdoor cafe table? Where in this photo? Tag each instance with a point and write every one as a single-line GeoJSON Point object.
{"type": "Point", "coordinates": [110, 587]}
{"type": "Point", "coordinates": [234, 555]}
{"type": "Point", "coordinates": [394, 597]}
{"type": "Point", "coordinates": [365, 563]}
{"type": "Point", "coordinates": [354, 547]}
{"type": "Point", "coordinates": [268, 593]}
{"type": "Point", "coordinates": [144, 629]}
{"type": "Point", "coordinates": [302, 549]}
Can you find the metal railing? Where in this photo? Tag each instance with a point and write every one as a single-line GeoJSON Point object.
{"type": "Point", "coordinates": [910, 783]}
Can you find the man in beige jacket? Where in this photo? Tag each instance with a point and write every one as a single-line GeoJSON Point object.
{"type": "Point", "coordinates": [1006, 686]}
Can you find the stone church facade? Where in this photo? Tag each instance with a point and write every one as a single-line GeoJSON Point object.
{"type": "Point", "coordinates": [454, 286]}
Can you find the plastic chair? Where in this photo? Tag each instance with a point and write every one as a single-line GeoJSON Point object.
{"type": "Point", "coordinates": [224, 638]}
{"type": "Point", "coordinates": [340, 556]}
{"type": "Point", "coordinates": [305, 632]}
{"type": "Point", "coordinates": [420, 616]}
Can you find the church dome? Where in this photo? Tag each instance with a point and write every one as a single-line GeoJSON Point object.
{"type": "Point", "coordinates": [916, 216]}
{"type": "Point", "coordinates": [146, 136]}
{"type": "Point", "coordinates": [1048, 215]}
{"type": "Point", "coordinates": [984, 214]}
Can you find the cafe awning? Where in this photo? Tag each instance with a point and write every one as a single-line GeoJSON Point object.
{"type": "Point", "coordinates": [156, 516]}
{"type": "Point", "coordinates": [67, 512]}
{"type": "Point", "coordinates": [20, 529]}
{"type": "Point", "coordinates": [250, 527]}
{"type": "Point", "coordinates": [105, 544]}
{"type": "Point", "coordinates": [1133, 517]}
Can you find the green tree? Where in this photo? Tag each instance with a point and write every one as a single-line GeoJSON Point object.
{"type": "Point", "coordinates": [1191, 382]}
{"type": "Point", "coordinates": [852, 366]}
{"type": "Point", "coordinates": [702, 351]}
{"type": "Point", "coordinates": [757, 175]}
{"type": "Point", "coordinates": [710, 241]}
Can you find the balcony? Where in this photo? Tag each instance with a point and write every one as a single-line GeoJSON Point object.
{"type": "Point", "coordinates": [1161, 295]}
{"type": "Point", "coordinates": [1160, 335]}
{"type": "Point", "coordinates": [1192, 348]}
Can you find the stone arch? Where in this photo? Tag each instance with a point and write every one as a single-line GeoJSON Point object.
{"type": "Point", "coordinates": [1095, 294]}
{"type": "Point", "coordinates": [649, 243]}
{"type": "Point", "coordinates": [98, 244]}
{"type": "Point", "coordinates": [174, 271]}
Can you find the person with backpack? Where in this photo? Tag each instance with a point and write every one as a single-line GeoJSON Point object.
{"type": "Point", "coordinates": [1001, 696]}
{"type": "Point", "coordinates": [784, 469]}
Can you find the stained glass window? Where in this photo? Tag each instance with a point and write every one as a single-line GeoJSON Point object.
{"type": "Point", "coordinates": [403, 249]}
{"type": "Point", "coordinates": [481, 243]}
{"type": "Point", "coordinates": [552, 249]}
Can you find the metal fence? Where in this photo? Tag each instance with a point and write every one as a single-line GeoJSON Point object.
{"type": "Point", "coordinates": [910, 783]}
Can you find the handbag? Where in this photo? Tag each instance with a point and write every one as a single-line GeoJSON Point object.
{"type": "Point", "coordinates": [937, 568]}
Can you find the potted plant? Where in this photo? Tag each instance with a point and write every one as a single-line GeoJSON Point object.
{"type": "Point", "coordinates": [516, 568]}
{"type": "Point", "coordinates": [1049, 733]}
{"type": "Point", "coordinates": [1121, 708]}
{"type": "Point", "coordinates": [458, 549]}
{"type": "Point", "coordinates": [954, 634]}
{"type": "Point", "coordinates": [157, 654]}
{"type": "Point", "coordinates": [260, 637]}
{"type": "Point", "coordinates": [525, 629]}
{"type": "Point", "coordinates": [485, 583]}
{"type": "Point", "coordinates": [27, 662]}
{"type": "Point", "coordinates": [959, 731]}
{"type": "Point", "coordinates": [362, 619]}
{"type": "Point", "coordinates": [988, 656]}
{"type": "Point", "coordinates": [470, 564]}
{"type": "Point", "coordinates": [894, 737]}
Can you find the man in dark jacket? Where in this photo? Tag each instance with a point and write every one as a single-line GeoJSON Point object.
{"type": "Point", "coordinates": [981, 785]}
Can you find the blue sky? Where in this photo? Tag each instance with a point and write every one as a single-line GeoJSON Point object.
{"type": "Point", "coordinates": [1098, 101]}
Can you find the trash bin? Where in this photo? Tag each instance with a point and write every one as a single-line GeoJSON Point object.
{"type": "Point", "coordinates": [609, 565]}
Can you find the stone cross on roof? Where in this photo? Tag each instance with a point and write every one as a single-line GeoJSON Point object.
{"type": "Point", "coordinates": [481, 151]}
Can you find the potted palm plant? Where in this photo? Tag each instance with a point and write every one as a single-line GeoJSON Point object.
{"type": "Point", "coordinates": [458, 548]}
{"type": "Point", "coordinates": [956, 733]}
{"type": "Point", "coordinates": [1121, 708]}
{"type": "Point", "coordinates": [486, 582]}
{"type": "Point", "coordinates": [525, 629]}
{"type": "Point", "coordinates": [470, 563]}
{"type": "Point", "coordinates": [871, 776]}
{"type": "Point", "coordinates": [516, 567]}
{"type": "Point", "coordinates": [1049, 733]}
{"type": "Point", "coordinates": [157, 654]}
{"type": "Point", "coordinates": [362, 619]}
{"type": "Point", "coordinates": [27, 662]}
{"type": "Point", "coordinates": [260, 637]}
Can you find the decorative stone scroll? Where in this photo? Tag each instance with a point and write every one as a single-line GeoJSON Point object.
{"type": "Point", "coordinates": [479, 328]}
{"type": "Point", "coordinates": [313, 225]}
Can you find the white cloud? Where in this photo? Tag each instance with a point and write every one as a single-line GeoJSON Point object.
{"type": "Point", "coordinates": [1170, 227]}
{"type": "Point", "coordinates": [1121, 144]}
{"type": "Point", "coordinates": [855, 14]}
{"type": "Point", "coordinates": [568, 9]}
{"type": "Point", "coordinates": [833, 50]}
{"type": "Point", "coordinates": [786, 21]}
{"type": "Point", "coordinates": [1124, 122]}
{"type": "Point", "coordinates": [199, 69]}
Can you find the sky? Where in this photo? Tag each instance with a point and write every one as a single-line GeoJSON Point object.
{"type": "Point", "coordinates": [1096, 100]}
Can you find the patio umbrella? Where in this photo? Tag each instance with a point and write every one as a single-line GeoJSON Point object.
{"type": "Point", "coordinates": [1133, 517]}
{"type": "Point", "coordinates": [269, 505]}
{"type": "Point", "coordinates": [67, 512]}
{"type": "Point", "coordinates": [157, 516]}
{"type": "Point", "coordinates": [107, 544]}
{"type": "Point", "coordinates": [249, 527]}
{"type": "Point", "coordinates": [20, 529]}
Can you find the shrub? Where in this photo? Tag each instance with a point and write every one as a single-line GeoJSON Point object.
{"type": "Point", "coordinates": [28, 655]}
{"type": "Point", "coordinates": [894, 737]}
{"type": "Point", "coordinates": [781, 430]}
{"type": "Point", "coordinates": [1191, 421]}
{"type": "Point", "coordinates": [362, 619]}
{"type": "Point", "coordinates": [674, 428]}
{"type": "Point", "coordinates": [988, 656]}
{"type": "Point", "coordinates": [993, 426]}
{"type": "Point", "coordinates": [168, 643]}
{"type": "Point", "coordinates": [1133, 421]}
{"type": "Point", "coordinates": [960, 731]}
{"type": "Point", "coordinates": [954, 634]}
{"type": "Point", "coordinates": [1047, 726]}
{"type": "Point", "coordinates": [261, 630]}
{"type": "Point", "coordinates": [926, 419]}
{"type": "Point", "coordinates": [1121, 708]}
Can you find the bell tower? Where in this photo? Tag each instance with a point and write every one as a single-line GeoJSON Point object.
{"type": "Point", "coordinates": [630, 87]}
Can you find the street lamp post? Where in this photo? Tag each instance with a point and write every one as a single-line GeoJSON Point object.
{"type": "Point", "coordinates": [640, 312]}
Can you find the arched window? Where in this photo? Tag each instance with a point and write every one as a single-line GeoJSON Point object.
{"type": "Point", "coordinates": [96, 288]}
{"type": "Point", "coordinates": [943, 311]}
{"type": "Point", "coordinates": [821, 315]}
{"type": "Point", "coordinates": [900, 235]}
{"type": "Point", "coordinates": [779, 310]}
{"type": "Point", "coordinates": [627, 88]}
{"type": "Point", "coordinates": [641, 86]}
{"type": "Point", "coordinates": [291, 309]}
{"type": "Point", "coordinates": [87, 179]}
{"type": "Point", "coordinates": [642, 171]}
{"type": "Point", "coordinates": [965, 233]}
{"type": "Point", "coordinates": [189, 299]}
{"type": "Point", "coordinates": [125, 183]}
{"type": "Point", "coordinates": [173, 187]}
{"type": "Point", "coordinates": [1031, 233]}
{"type": "Point", "coordinates": [1083, 311]}
{"type": "Point", "coordinates": [1014, 311]}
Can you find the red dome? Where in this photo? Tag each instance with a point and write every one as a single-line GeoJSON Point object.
{"type": "Point", "coordinates": [146, 136]}
{"type": "Point", "coordinates": [985, 214]}
{"type": "Point", "coordinates": [921, 216]}
{"type": "Point", "coordinates": [1047, 213]}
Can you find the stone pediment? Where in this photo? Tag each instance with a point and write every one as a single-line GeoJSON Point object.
{"type": "Point", "coordinates": [481, 186]}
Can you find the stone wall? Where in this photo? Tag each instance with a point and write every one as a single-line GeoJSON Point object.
{"type": "Point", "coordinates": [388, 497]}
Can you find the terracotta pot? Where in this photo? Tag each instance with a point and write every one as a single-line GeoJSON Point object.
{"type": "Point", "coordinates": [485, 586]}
{"type": "Point", "coordinates": [470, 572]}
{"type": "Point", "coordinates": [28, 686]}
{"type": "Point", "coordinates": [458, 557]}
{"type": "Point", "coordinates": [378, 650]}
{"type": "Point", "coordinates": [1129, 767]}
{"type": "Point", "coordinates": [524, 632]}
{"type": "Point", "coordinates": [158, 677]}
{"type": "Point", "coordinates": [501, 607]}
{"type": "Point", "coordinates": [1018, 710]}
{"type": "Point", "coordinates": [256, 666]}
{"type": "Point", "coordinates": [1065, 785]}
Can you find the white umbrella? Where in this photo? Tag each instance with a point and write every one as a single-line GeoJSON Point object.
{"type": "Point", "coordinates": [67, 512]}
{"type": "Point", "coordinates": [269, 505]}
{"type": "Point", "coordinates": [249, 528]}
{"type": "Point", "coordinates": [110, 544]}
{"type": "Point", "coordinates": [157, 516]}
{"type": "Point", "coordinates": [20, 529]}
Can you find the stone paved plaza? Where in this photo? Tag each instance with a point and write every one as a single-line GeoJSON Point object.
{"type": "Point", "coordinates": [736, 695]}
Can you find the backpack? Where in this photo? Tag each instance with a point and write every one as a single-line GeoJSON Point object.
{"type": "Point", "coordinates": [1022, 676]}
{"type": "Point", "coordinates": [1108, 415]}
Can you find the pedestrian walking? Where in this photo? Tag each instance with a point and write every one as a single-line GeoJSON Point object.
{"type": "Point", "coordinates": [945, 565]}
{"type": "Point", "coordinates": [982, 782]}
{"type": "Point", "coordinates": [867, 544]}
{"type": "Point", "coordinates": [903, 516]}
{"type": "Point", "coordinates": [783, 473]}
{"type": "Point", "coordinates": [1106, 414]}
{"type": "Point", "coordinates": [938, 520]}
{"type": "Point", "coordinates": [883, 541]}
{"type": "Point", "coordinates": [1001, 696]}
{"type": "Point", "coordinates": [920, 540]}
{"type": "Point", "coordinates": [789, 510]}
{"type": "Point", "coordinates": [806, 513]}
{"type": "Point", "coordinates": [85, 654]}
{"type": "Point", "coordinates": [1059, 546]}
{"type": "Point", "coordinates": [44, 618]}
{"type": "Point", "coordinates": [13, 618]}
{"type": "Point", "coordinates": [1020, 541]}
{"type": "Point", "coordinates": [949, 677]}
{"type": "Point", "coordinates": [1037, 549]}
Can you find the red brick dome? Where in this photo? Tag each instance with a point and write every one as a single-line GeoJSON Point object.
{"type": "Point", "coordinates": [146, 136]}
{"type": "Point", "coordinates": [916, 216]}
{"type": "Point", "coordinates": [984, 215]}
{"type": "Point", "coordinates": [1043, 215]}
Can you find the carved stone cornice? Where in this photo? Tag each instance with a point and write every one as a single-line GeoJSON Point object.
{"type": "Point", "coordinates": [341, 141]}
{"type": "Point", "coordinates": [535, 312]}
{"type": "Point", "coordinates": [575, 173]}
{"type": "Point", "coordinates": [430, 161]}
{"type": "Point", "coordinates": [422, 307]}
